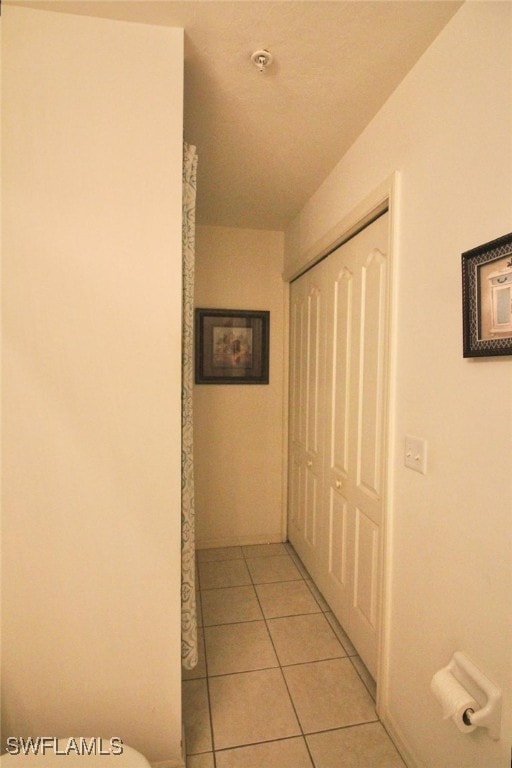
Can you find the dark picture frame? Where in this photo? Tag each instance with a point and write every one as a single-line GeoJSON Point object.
{"type": "Point", "coordinates": [232, 346]}
{"type": "Point", "coordinates": [487, 298]}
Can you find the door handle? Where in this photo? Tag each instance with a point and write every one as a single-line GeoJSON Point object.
{"type": "Point", "coordinates": [338, 484]}
{"type": "Point", "coordinates": [310, 463]}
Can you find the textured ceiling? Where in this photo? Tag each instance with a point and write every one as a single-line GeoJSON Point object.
{"type": "Point", "coordinates": [267, 140]}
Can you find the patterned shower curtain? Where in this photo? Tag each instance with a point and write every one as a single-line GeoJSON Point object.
{"type": "Point", "coordinates": [188, 586]}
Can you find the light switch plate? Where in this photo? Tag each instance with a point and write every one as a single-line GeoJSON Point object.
{"type": "Point", "coordinates": [415, 456]}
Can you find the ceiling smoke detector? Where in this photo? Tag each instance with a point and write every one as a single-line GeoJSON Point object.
{"type": "Point", "coordinates": [261, 59]}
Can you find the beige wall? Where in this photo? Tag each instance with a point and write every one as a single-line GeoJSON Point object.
{"type": "Point", "coordinates": [448, 131]}
{"type": "Point", "coordinates": [238, 429]}
{"type": "Point", "coordinates": [92, 146]}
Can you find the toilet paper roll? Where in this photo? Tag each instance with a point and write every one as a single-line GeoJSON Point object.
{"type": "Point", "coordinates": [454, 698]}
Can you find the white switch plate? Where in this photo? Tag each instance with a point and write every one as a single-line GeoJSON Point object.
{"type": "Point", "coordinates": [415, 456]}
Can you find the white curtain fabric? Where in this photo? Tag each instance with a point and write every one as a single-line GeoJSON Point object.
{"type": "Point", "coordinates": [188, 585]}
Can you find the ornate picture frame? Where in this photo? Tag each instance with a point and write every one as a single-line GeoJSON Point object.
{"type": "Point", "coordinates": [231, 346]}
{"type": "Point", "coordinates": [487, 299]}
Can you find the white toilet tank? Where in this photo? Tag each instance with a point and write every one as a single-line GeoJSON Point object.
{"type": "Point", "coordinates": [74, 753]}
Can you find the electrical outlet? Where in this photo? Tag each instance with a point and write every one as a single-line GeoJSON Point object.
{"type": "Point", "coordinates": [416, 454]}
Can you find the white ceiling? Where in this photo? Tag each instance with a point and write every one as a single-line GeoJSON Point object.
{"type": "Point", "coordinates": [267, 140]}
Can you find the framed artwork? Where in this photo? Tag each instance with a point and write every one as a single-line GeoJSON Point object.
{"type": "Point", "coordinates": [231, 346]}
{"type": "Point", "coordinates": [487, 298]}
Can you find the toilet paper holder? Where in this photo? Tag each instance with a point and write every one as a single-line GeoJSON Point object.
{"type": "Point", "coordinates": [480, 687]}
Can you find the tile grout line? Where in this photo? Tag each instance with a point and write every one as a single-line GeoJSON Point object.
{"type": "Point", "coordinates": [284, 677]}
{"type": "Point", "coordinates": [349, 656]}
{"type": "Point", "coordinates": [303, 576]}
{"type": "Point", "coordinates": [257, 743]}
{"type": "Point", "coordinates": [207, 679]}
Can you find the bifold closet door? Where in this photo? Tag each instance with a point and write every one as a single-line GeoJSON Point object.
{"type": "Point", "coordinates": [356, 306]}
{"type": "Point", "coordinates": [307, 363]}
{"type": "Point", "coordinates": [337, 460]}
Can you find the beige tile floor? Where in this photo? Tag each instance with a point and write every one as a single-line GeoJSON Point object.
{"type": "Point", "coordinates": [278, 684]}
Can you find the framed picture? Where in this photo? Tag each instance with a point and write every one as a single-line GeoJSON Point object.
{"type": "Point", "coordinates": [487, 298]}
{"type": "Point", "coordinates": [231, 346]}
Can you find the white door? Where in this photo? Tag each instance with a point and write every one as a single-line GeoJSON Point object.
{"type": "Point", "coordinates": [338, 381]}
{"type": "Point", "coordinates": [306, 424]}
{"type": "Point", "coordinates": [355, 433]}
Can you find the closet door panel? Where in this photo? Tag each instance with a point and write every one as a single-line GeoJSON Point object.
{"type": "Point", "coordinates": [336, 576]}
{"type": "Point", "coordinates": [367, 435]}
{"type": "Point", "coordinates": [306, 423]}
{"type": "Point", "coordinates": [338, 579]}
{"type": "Point", "coordinates": [313, 369]}
{"type": "Point", "coordinates": [355, 378]}
{"type": "Point", "coordinates": [311, 508]}
{"type": "Point", "coordinates": [337, 454]}
{"type": "Point", "coordinates": [368, 442]}
{"type": "Point", "coordinates": [364, 611]}
{"type": "Point", "coordinates": [298, 354]}
{"type": "Point", "coordinates": [314, 454]}
{"type": "Point", "coordinates": [297, 424]}
{"type": "Point", "coordinates": [371, 373]}
{"type": "Point", "coordinates": [296, 505]}
{"type": "Point", "coordinates": [365, 568]}
{"type": "Point", "coordinates": [340, 370]}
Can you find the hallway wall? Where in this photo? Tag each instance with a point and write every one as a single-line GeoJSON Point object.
{"type": "Point", "coordinates": [238, 429]}
{"type": "Point", "coordinates": [91, 293]}
{"type": "Point", "coordinates": [447, 129]}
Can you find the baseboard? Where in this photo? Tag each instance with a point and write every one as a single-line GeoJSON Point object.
{"type": "Point", "coordinates": [231, 541]}
{"type": "Point", "coordinates": [399, 742]}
